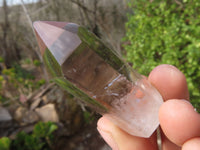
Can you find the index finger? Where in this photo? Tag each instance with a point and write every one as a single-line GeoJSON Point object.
{"type": "Point", "coordinates": [170, 82]}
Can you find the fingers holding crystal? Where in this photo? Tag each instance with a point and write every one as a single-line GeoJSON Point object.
{"type": "Point", "coordinates": [170, 82]}
{"type": "Point", "coordinates": [121, 140]}
{"type": "Point", "coordinates": [179, 121]}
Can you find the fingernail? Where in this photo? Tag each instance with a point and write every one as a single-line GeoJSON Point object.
{"type": "Point", "coordinates": [108, 138]}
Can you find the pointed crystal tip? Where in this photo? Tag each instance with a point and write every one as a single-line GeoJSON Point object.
{"type": "Point", "coordinates": [59, 37]}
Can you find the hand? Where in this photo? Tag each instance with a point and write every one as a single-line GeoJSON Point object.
{"type": "Point", "coordinates": [179, 122]}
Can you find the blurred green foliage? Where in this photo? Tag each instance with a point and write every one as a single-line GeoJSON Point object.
{"type": "Point", "coordinates": [17, 80]}
{"type": "Point", "coordinates": [36, 62]}
{"type": "Point", "coordinates": [166, 32]}
{"type": "Point", "coordinates": [1, 59]}
{"type": "Point", "coordinates": [88, 117]}
{"type": "Point", "coordinates": [19, 77]}
{"type": "Point", "coordinates": [5, 143]}
{"type": "Point", "coordinates": [41, 139]}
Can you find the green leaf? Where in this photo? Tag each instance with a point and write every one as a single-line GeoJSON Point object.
{"type": "Point", "coordinates": [44, 129]}
{"type": "Point", "coordinates": [52, 128]}
{"type": "Point", "coordinates": [37, 63]}
{"type": "Point", "coordinates": [1, 59]}
{"type": "Point", "coordinates": [37, 140]}
{"type": "Point", "coordinates": [5, 143]}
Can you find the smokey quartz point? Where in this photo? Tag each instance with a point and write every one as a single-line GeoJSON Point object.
{"type": "Point", "coordinates": [80, 63]}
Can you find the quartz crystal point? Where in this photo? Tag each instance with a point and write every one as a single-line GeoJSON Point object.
{"type": "Point", "coordinates": [80, 63]}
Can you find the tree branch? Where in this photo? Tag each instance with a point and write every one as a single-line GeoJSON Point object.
{"type": "Point", "coordinates": [36, 50]}
{"type": "Point", "coordinates": [85, 10]}
{"type": "Point", "coordinates": [179, 3]}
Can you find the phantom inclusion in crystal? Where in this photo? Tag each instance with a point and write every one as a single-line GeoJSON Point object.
{"type": "Point", "coordinates": [82, 64]}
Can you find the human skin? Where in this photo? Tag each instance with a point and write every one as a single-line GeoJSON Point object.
{"type": "Point", "coordinates": [179, 122]}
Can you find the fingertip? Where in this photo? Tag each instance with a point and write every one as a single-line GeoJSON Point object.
{"type": "Point", "coordinates": [179, 121]}
{"type": "Point", "coordinates": [105, 124]}
{"type": "Point", "coordinates": [169, 81]}
{"type": "Point", "coordinates": [192, 144]}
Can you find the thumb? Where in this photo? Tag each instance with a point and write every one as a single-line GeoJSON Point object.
{"type": "Point", "coordinates": [118, 139]}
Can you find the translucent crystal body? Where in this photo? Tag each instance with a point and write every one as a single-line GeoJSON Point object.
{"type": "Point", "coordinates": [80, 63]}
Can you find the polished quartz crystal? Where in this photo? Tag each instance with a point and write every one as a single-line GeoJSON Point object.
{"type": "Point", "coordinates": [83, 65]}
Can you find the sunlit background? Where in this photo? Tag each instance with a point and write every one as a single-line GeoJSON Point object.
{"type": "Point", "coordinates": [17, 2]}
{"type": "Point", "coordinates": [145, 33]}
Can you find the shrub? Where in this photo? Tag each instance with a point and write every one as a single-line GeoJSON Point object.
{"type": "Point", "coordinates": [166, 32]}
{"type": "Point", "coordinates": [40, 139]}
{"type": "Point", "coordinates": [17, 81]}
